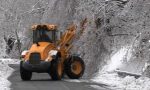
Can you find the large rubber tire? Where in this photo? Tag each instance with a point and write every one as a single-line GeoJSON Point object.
{"type": "Point", "coordinates": [56, 70]}
{"type": "Point", "coordinates": [25, 75]}
{"type": "Point", "coordinates": [74, 67]}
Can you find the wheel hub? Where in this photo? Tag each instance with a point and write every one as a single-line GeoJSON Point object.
{"type": "Point", "coordinates": [76, 67]}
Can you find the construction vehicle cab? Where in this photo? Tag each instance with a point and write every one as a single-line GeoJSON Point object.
{"type": "Point", "coordinates": [49, 55]}
{"type": "Point", "coordinates": [43, 33]}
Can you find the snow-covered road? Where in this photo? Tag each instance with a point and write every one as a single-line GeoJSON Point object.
{"type": "Point", "coordinates": [111, 79]}
{"type": "Point", "coordinates": [42, 81]}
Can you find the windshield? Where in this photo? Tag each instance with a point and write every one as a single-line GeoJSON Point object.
{"type": "Point", "coordinates": [43, 36]}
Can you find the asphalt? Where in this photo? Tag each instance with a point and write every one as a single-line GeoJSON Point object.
{"type": "Point", "coordinates": [42, 81]}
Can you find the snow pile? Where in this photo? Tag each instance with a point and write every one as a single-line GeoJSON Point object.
{"type": "Point", "coordinates": [127, 83]}
{"type": "Point", "coordinates": [109, 77]}
{"type": "Point", "coordinates": [117, 59]}
{"type": "Point", "coordinates": [5, 72]}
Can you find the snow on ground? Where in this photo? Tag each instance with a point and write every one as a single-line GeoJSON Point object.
{"type": "Point", "coordinates": [109, 77]}
{"type": "Point", "coordinates": [116, 60]}
{"type": "Point", "coordinates": [97, 87]}
{"type": "Point", "coordinates": [76, 80]}
{"type": "Point", "coordinates": [5, 72]}
{"type": "Point", "coordinates": [127, 83]}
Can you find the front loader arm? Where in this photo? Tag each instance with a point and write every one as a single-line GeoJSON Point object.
{"type": "Point", "coordinates": [67, 38]}
{"type": "Point", "coordinates": [71, 35]}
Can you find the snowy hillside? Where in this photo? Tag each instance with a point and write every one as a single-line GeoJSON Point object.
{"type": "Point", "coordinates": [5, 72]}
{"type": "Point", "coordinates": [116, 37]}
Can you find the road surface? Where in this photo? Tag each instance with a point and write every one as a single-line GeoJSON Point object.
{"type": "Point", "coordinates": [43, 82]}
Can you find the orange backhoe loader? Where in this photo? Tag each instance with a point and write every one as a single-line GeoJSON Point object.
{"type": "Point", "coordinates": [52, 56]}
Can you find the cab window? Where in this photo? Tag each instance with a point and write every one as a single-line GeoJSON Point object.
{"type": "Point", "coordinates": [44, 36]}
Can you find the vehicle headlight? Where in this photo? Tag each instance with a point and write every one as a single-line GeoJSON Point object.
{"type": "Point", "coordinates": [52, 55]}
{"type": "Point", "coordinates": [24, 53]}
{"type": "Point", "coordinates": [53, 52]}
